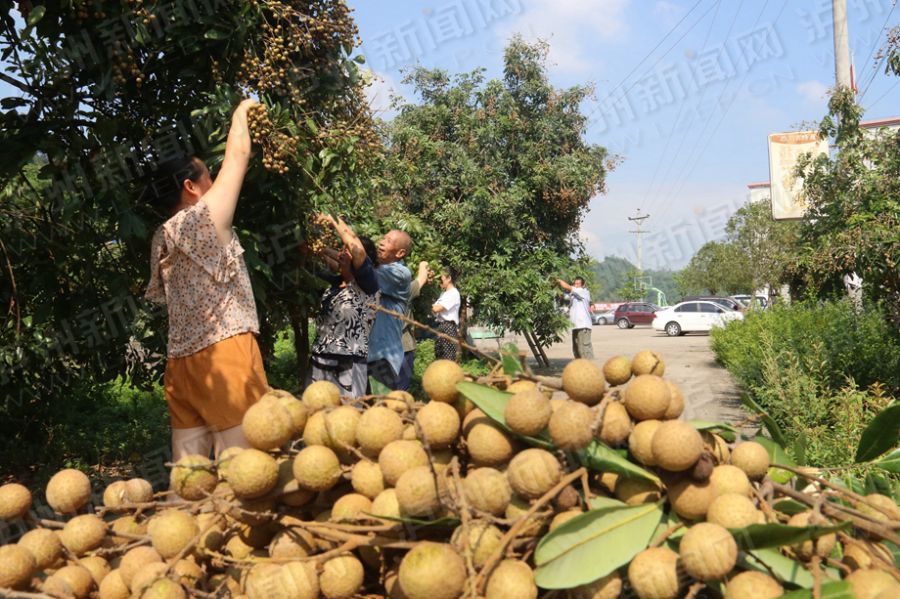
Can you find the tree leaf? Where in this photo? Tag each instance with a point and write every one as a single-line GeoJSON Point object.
{"type": "Point", "coordinates": [777, 455]}
{"type": "Point", "coordinates": [36, 14]}
{"type": "Point", "coordinates": [378, 388]}
{"type": "Point", "coordinates": [594, 544]}
{"type": "Point", "coordinates": [216, 34]}
{"type": "Point", "coordinates": [726, 431]}
{"type": "Point", "coordinates": [770, 423]}
{"type": "Point", "coordinates": [597, 456]}
{"type": "Point", "coordinates": [598, 503]}
{"type": "Point", "coordinates": [510, 359]}
{"type": "Point", "coordinates": [770, 561]}
{"type": "Point", "coordinates": [759, 536]}
{"type": "Point", "coordinates": [882, 434]}
{"type": "Point", "coordinates": [789, 507]}
{"type": "Point", "coordinates": [890, 462]}
{"type": "Point", "coordinates": [838, 589]}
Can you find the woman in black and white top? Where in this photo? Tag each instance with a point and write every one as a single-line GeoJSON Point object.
{"type": "Point", "coordinates": [446, 309]}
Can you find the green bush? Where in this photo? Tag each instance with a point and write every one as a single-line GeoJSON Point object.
{"type": "Point", "coordinates": [819, 370]}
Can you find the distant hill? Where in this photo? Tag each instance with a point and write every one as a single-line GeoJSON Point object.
{"type": "Point", "coordinates": [613, 271]}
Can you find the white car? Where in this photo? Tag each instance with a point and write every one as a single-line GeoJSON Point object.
{"type": "Point", "coordinates": [688, 317]}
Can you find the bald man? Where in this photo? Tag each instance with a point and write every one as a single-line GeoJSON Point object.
{"type": "Point", "coordinates": [394, 278]}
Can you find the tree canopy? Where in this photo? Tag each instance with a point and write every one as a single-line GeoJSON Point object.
{"type": "Point", "coordinates": [494, 178]}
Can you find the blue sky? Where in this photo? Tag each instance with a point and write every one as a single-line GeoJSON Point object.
{"type": "Point", "coordinates": [686, 90]}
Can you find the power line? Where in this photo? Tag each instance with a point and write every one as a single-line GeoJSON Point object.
{"type": "Point", "coordinates": [639, 219]}
{"type": "Point", "coordinates": [872, 51]}
{"type": "Point", "coordinates": [882, 96]}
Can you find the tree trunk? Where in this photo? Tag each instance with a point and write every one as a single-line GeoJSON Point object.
{"type": "Point", "coordinates": [300, 325]}
{"type": "Point", "coordinates": [463, 326]}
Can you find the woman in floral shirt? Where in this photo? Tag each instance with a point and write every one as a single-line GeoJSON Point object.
{"type": "Point", "coordinates": [214, 369]}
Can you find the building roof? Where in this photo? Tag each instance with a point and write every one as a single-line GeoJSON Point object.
{"type": "Point", "coordinates": [893, 121]}
{"type": "Point", "coordinates": [758, 185]}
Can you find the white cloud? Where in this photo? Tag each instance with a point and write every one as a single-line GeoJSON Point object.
{"type": "Point", "coordinates": [813, 91]}
{"type": "Point", "coordinates": [567, 25]}
{"type": "Point", "coordinates": [379, 91]}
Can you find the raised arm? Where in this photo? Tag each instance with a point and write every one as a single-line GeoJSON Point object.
{"type": "Point", "coordinates": [421, 279]}
{"type": "Point", "coordinates": [566, 287]}
{"type": "Point", "coordinates": [222, 197]}
{"type": "Point", "coordinates": [347, 235]}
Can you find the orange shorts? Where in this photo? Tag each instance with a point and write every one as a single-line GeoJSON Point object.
{"type": "Point", "coordinates": [216, 385]}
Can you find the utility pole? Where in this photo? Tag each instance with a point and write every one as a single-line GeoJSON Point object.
{"type": "Point", "coordinates": [639, 219]}
{"type": "Point", "coordinates": [841, 44]}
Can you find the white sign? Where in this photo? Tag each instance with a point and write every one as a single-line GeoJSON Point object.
{"type": "Point", "coordinates": [784, 150]}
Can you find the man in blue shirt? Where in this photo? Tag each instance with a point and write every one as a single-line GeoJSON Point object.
{"type": "Point", "coordinates": [394, 278]}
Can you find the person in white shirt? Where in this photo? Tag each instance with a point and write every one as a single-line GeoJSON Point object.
{"type": "Point", "coordinates": [446, 309]}
{"type": "Point", "coordinates": [580, 315]}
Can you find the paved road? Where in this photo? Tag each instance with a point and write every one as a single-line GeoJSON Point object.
{"type": "Point", "coordinates": [709, 390]}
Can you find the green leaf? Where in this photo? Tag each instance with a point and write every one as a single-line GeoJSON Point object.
{"type": "Point", "coordinates": [510, 359]}
{"type": "Point", "coordinates": [598, 503]}
{"type": "Point", "coordinates": [838, 589]}
{"type": "Point", "coordinates": [890, 462]}
{"type": "Point", "coordinates": [789, 507]}
{"type": "Point", "coordinates": [726, 431]}
{"type": "Point", "coordinates": [36, 14]}
{"type": "Point", "coordinates": [882, 434]}
{"type": "Point", "coordinates": [759, 536]}
{"type": "Point", "coordinates": [594, 544]}
{"type": "Point", "coordinates": [770, 423]}
{"type": "Point", "coordinates": [597, 456]}
{"type": "Point", "coordinates": [378, 388]}
{"type": "Point", "coordinates": [777, 455]}
{"type": "Point", "coordinates": [216, 34]}
{"type": "Point", "coordinates": [493, 403]}
{"type": "Point", "coordinates": [784, 568]}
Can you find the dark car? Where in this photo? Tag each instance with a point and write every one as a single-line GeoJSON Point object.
{"type": "Point", "coordinates": [722, 301]}
{"type": "Point", "coordinates": [632, 313]}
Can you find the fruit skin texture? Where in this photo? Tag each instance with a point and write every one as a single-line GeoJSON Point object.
{"type": "Point", "coordinates": [640, 441]}
{"type": "Point", "coordinates": [483, 539]}
{"type": "Point", "coordinates": [252, 473]}
{"type": "Point", "coordinates": [267, 424]}
{"type": "Point", "coordinates": [439, 423]}
{"type": "Point", "coordinates": [653, 573]}
{"type": "Point", "coordinates": [82, 534]}
{"type": "Point", "coordinates": [635, 491]}
{"type": "Point", "coordinates": [112, 587]}
{"type": "Point", "coordinates": [317, 468]}
{"type": "Point", "coordinates": [870, 583]}
{"type": "Point", "coordinates": [192, 478]}
{"type": "Point", "coordinates": [68, 491]}
{"type": "Point", "coordinates": [320, 395]}
{"type": "Point", "coordinates": [647, 397]}
{"type": "Point", "coordinates": [17, 566]}
{"type": "Point", "coordinates": [648, 362]}
{"type": "Point", "coordinates": [708, 551]}
{"type": "Point", "coordinates": [616, 426]}
{"type": "Point", "coordinates": [487, 444]}
{"type": "Point", "coordinates": [691, 500]}
{"type": "Point", "coordinates": [44, 545]}
{"type": "Point", "coordinates": [583, 381]}
{"type": "Point", "coordinates": [341, 577]}
{"type": "Point", "coordinates": [528, 412]}
{"type": "Point", "coordinates": [676, 446]}
{"type": "Point", "coordinates": [732, 510]}
{"type": "Point", "coordinates": [432, 571]}
{"type": "Point", "coordinates": [417, 492]}
{"type": "Point", "coordinates": [753, 585]}
{"type": "Point", "coordinates": [164, 589]}
{"type": "Point", "coordinates": [617, 370]}
{"type": "Point", "coordinates": [570, 426]}
{"type": "Point", "coordinates": [15, 501]}
{"type": "Point", "coordinates": [69, 581]}
{"type": "Point", "coordinates": [398, 457]}
{"type": "Point", "coordinates": [752, 458]}
{"type": "Point", "coordinates": [440, 378]}
{"type": "Point", "coordinates": [298, 580]}
{"type": "Point", "coordinates": [171, 531]}
{"type": "Point", "coordinates": [367, 479]}
{"type": "Point", "coordinates": [730, 479]}
{"type": "Point", "coordinates": [676, 402]}
{"type": "Point", "coordinates": [386, 504]}
{"type": "Point", "coordinates": [879, 501]}
{"type": "Point", "coordinates": [377, 427]}
{"type": "Point", "coordinates": [351, 506]}
{"type": "Point", "coordinates": [608, 587]}
{"type": "Point", "coordinates": [135, 560]}
{"type": "Point", "coordinates": [533, 472]}
{"type": "Point", "coordinates": [487, 490]}
{"type": "Point", "coordinates": [511, 579]}
{"type": "Point", "coordinates": [821, 546]}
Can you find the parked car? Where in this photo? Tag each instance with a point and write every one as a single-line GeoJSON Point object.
{"type": "Point", "coordinates": [693, 316]}
{"type": "Point", "coordinates": [607, 317]}
{"type": "Point", "coordinates": [744, 300]}
{"type": "Point", "coordinates": [633, 313]}
{"type": "Point", "coordinates": [728, 302]}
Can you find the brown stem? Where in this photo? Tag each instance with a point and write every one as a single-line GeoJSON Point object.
{"type": "Point", "coordinates": [695, 589]}
{"type": "Point", "coordinates": [511, 534]}
{"type": "Point", "coordinates": [814, 564]}
{"type": "Point", "coordinates": [666, 534]}
{"type": "Point", "coordinates": [23, 594]}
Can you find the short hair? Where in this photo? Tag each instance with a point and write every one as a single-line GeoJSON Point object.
{"type": "Point", "coordinates": [167, 180]}
{"type": "Point", "coordinates": [579, 279]}
{"type": "Point", "coordinates": [404, 241]}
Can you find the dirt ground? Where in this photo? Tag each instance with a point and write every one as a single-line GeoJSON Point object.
{"type": "Point", "coordinates": [710, 392]}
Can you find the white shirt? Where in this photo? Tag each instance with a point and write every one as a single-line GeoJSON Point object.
{"type": "Point", "coordinates": [450, 301]}
{"type": "Point", "coordinates": [579, 308]}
